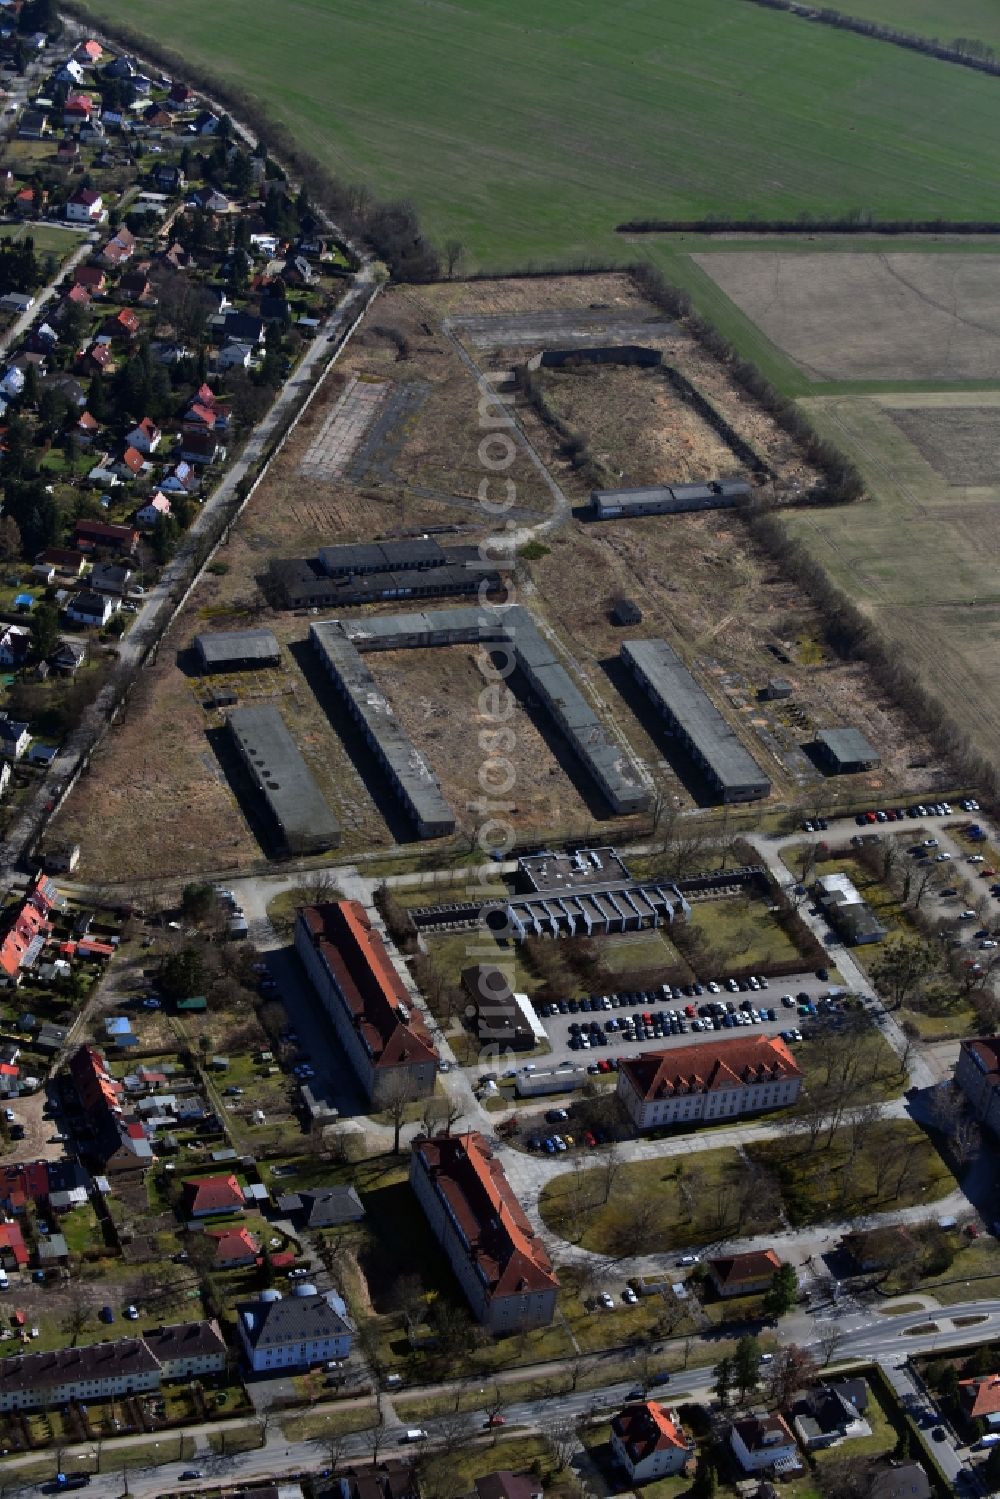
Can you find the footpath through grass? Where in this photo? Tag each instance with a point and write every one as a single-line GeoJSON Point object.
{"type": "Point", "coordinates": [528, 132]}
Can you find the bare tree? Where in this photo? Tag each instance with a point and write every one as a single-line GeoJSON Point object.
{"type": "Point", "coordinates": [830, 1336]}
{"type": "Point", "coordinates": [395, 1097]}
{"type": "Point", "coordinates": [377, 1435]}
{"type": "Point", "coordinates": [454, 253]}
{"type": "Point", "coordinates": [496, 1401]}
{"type": "Point", "coordinates": [563, 1442]}
{"type": "Point", "coordinates": [333, 1445]}
{"type": "Point", "coordinates": [610, 1166]}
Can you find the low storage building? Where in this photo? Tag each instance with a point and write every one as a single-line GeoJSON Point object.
{"type": "Point", "coordinates": [844, 752]}
{"type": "Point", "coordinates": [499, 1018]}
{"type": "Point", "coordinates": [500, 1262]}
{"type": "Point", "coordinates": [744, 1274]}
{"type": "Point", "coordinates": [846, 910]}
{"type": "Point", "coordinates": [295, 805]}
{"type": "Point", "coordinates": [237, 650]}
{"type": "Point", "coordinates": [708, 1081]}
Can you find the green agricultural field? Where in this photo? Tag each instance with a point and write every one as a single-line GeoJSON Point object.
{"type": "Point", "coordinates": [528, 132]}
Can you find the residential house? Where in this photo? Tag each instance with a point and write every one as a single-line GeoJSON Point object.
{"type": "Point", "coordinates": [180, 94]}
{"type": "Point", "coordinates": [500, 1263]}
{"type": "Point", "coordinates": [78, 109]}
{"type": "Point", "coordinates": [205, 412]}
{"type": "Point", "coordinates": [202, 448]}
{"type": "Point", "coordinates": [235, 356]}
{"type": "Point", "coordinates": [67, 152]}
{"type": "Point", "coordinates": [91, 534]}
{"type": "Point", "coordinates": [275, 309]}
{"type": "Point", "coordinates": [708, 1081]}
{"type": "Point", "coordinates": [15, 642]}
{"type": "Point", "coordinates": [238, 327]}
{"type": "Point", "coordinates": [109, 1371]}
{"type": "Point", "coordinates": [145, 436]}
{"type": "Point", "coordinates": [69, 563]}
{"type": "Point", "coordinates": [13, 1250]}
{"type": "Point", "coordinates": [32, 126]}
{"type": "Point", "coordinates": [212, 1194]}
{"type": "Point", "coordinates": [323, 1207]}
{"type": "Point", "coordinates": [134, 286]}
{"type": "Point", "coordinates": [826, 1415]}
{"type": "Point", "coordinates": [761, 1443]}
{"type": "Point", "coordinates": [899, 1481]}
{"type": "Point", "coordinates": [648, 1441]}
{"type": "Point", "coordinates": [182, 479]}
{"type": "Point", "coordinates": [131, 464]}
{"type": "Point", "coordinates": [91, 609]}
{"type": "Point", "coordinates": [121, 67]}
{"type": "Point", "coordinates": [124, 324]}
{"type": "Point", "coordinates": [119, 249]}
{"type": "Point", "coordinates": [9, 1080]}
{"type": "Point", "coordinates": [98, 359]}
{"type": "Point", "coordinates": [14, 737]}
{"type": "Point", "coordinates": [90, 52]}
{"type": "Point", "coordinates": [85, 206]}
{"type": "Point", "coordinates": [91, 131]}
{"type": "Point", "coordinates": [743, 1274]}
{"type": "Point", "coordinates": [110, 577]}
{"type": "Point", "coordinates": [92, 279]}
{"type": "Point", "coordinates": [157, 507]}
{"type": "Point", "coordinates": [68, 657]}
{"type": "Point", "coordinates": [77, 296]}
{"type": "Point", "coordinates": [211, 200]}
{"type": "Point", "coordinates": [298, 272]}
{"type": "Point", "coordinates": [169, 179]}
{"type": "Point", "coordinates": [12, 382]}
{"type": "Point", "coordinates": [155, 117]}
{"type": "Point", "coordinates": [85, 429]}
{"type": "Point", "coordinates": [206, 123]}
{"type": "Point", "coordinates": [979, 1398]}
{"type": "Point", "coordinates": [293, 1333]}
{"type": "Point", "coordinates": [42, 339]}
{"type": "Point", "coordinates": [234, 1247]}
{"type": "Point", "coordinates": [27, 926]}
{"type": "Point", "coordinates": [51, 1249]}
{"type": "Point", "coordinates": [70, 72]}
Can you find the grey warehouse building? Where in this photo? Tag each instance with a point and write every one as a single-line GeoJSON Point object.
{"type": "Point", "coordinates": [692, 715]}
{"type": "Point", "coordinates": [294, 802]}
{"type": "Point", "coordinates": [237, 650]}
{"type": "Point", "coordinates": [668, 499]}
{"type": "Point", "coordinates": [366, 572]}
{"type": "Point", "coordinates": [844, 751]}
{"type": "Point", "coordinates": [340, 642]}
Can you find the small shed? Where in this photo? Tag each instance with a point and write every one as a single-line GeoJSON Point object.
{"type": "Point", "coordinates": [777, 688]}
{"type": "Point", "coordinates": [197, 1005]}
{"type": "Point", "coordinates": [626, 612]}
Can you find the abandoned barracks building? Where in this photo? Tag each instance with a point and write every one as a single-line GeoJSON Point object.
{"type": "Point", "coordinates": [340, 644]}
{"type": "Point", "coordinates": [690, 714]}
{"type": "Point", "coordinates": [295, 807]}
{"type": "Point", "coordinates": [366, 572]}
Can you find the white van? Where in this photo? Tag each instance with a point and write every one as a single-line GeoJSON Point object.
{"type": "Point", "coordinates": [417, 1434]}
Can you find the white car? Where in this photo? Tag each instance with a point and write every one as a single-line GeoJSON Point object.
{"type": "Point", "coordinates": [713, 987]}
{"type": "Point", "coordinates": [689, 1259]}
{"type": "Point", "coordinates": [629, 1297]}
{"type": "Point", "coordinates": [941, 858]}
{"type": "Point", "coordinates": [606, 1299]}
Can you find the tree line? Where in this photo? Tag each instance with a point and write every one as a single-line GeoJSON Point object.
{"type": "Point", "coordinates": [966, 51]}
{"type": "Point", "coordinates": [854, 221]}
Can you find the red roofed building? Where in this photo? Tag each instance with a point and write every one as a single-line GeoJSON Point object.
{"type": "Point", "coordinates": [744, 1274]}
{"type": "Point", "coordinates": [212, 1194]}
{"type": "Point", "coordinates": [499, 1261]}
{"type": "Point", "coordinates": [26, 929]}
{"type": "Point", "coordinates": [377, 1022]}
{"type": "Point", "coordinates": [86, 429]}
{"type": "Point", "coordinates": [124, 324]}
{"type": "Point", "coordinates": [132, 461]}
{"type": "Point", "coordinates": [78, 108]}
{"type": "Point", "coordinates": [91, 277]}
{"type": "Point", "coordinates": [90, 51]}
{"type": "Point", "coordinates": [233, 1247]}
{"type": "Point", "coordinates": [9, 1075]}
{"type": "Point", "coordinates": [649, 1442]}
{"type": "Point", "coordinates": [89, 534]}
{"type": "Point", "coordinates": [119, 249]}
{"type": "Point", "coordinates": [97, 360]}
{"type": "Point", "coordinates": [13, 1249]}
{"type": "Point", "coordinates": [980, 1398]}
{"type": "Point", "coordinates": [711, 1080]}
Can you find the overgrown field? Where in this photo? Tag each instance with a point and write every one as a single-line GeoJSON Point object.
{"type": "Point", "coordinates": [529, 131]}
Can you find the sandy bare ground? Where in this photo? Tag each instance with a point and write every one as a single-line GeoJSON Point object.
{"type": "Point", "coordinates": [880, 316]}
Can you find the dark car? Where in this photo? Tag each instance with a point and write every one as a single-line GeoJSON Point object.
{"type": "Point", "coordinates": [823, 974]}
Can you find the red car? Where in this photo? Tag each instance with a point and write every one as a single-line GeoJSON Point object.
{"type": "Point", "coordinates": [590, 1138]}
{"type": "Point", "coordinates": [870, 817]}
{"type": "Point", "coordinates": [690, 1011]}
{"type": "Point", "coordinates": [496, 1420]}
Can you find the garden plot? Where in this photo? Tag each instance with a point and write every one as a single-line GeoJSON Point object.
{"type": "Point", "coordinates": [867, 316]}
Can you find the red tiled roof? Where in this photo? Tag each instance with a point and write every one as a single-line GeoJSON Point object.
{"type": "Point", "coordinates": [708, 1067]}
{"type": "Point", "coordinates": [980, 1396]}
{"type": "Point", "coordinates": [89, 275]}
{"type": "Point", "coordinates": [99, 530]}
{"type": "Point", "coordinates": [204, 415]}
{"type": "Point", "coordinates": [133, 460]}
{"type": "Point", "coordinates": [647, 1427]}
{"type": "Point", "coordinates": [217, 1194]}
{"type": "Point", "coordinates": [390, 1025]}
{"type": "Point", "coordinates": [507, 1253]}
{"type": "Point", "coordinates": [233, 1244]}
{"type": "Point", "coordinates": [986, 1050]}
{"type": "Point", "coordinates": [10, 1238]}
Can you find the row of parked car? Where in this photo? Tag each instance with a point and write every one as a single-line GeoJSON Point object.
{"type": "Point", "coordinates": [596, 1002]}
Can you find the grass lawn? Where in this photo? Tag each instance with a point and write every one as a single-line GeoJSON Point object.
{"type": "Point", "coordinates": [741, 934]}
{"type": "Point", "coordinates": [80, 1229]}
{"type": "Point", "coordinates": [882, 1439]}
{"type": "Point", "coordinates": [637, 952]}
{"type": "Point", "coordinates": [877, 1059]}
{"type": "Point", "coordinates": [462, 1465]}
{"type": "Point", "coordinates": [895, 1166]}
{"type": "Point", "coordinates": [597, 114]}
{"type": "Point", "coordinates": [455, 951]}
{"type": "Point", "coordinates": [656, 1205]}
{"type": "Point", "coordinates": [318, 1424]}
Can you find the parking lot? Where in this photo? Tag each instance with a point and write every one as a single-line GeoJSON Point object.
{"type": "Point", "coordinates": [618, 1018]}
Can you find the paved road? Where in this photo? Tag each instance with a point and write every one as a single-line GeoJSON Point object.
{"type": "Point", "coordinates": [18, 329]}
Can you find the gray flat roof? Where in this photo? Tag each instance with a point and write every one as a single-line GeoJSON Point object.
{"type": "Point", "coordinates": [283, 778]}
{"type": "Point", "coordinates": [848, 745]}
{"type": "Point", "coordinates": [717, 745]}
{"type": "Point", "coordinates": [415, 780]}
{"type": "Point", "coordinates": [221, 646]}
